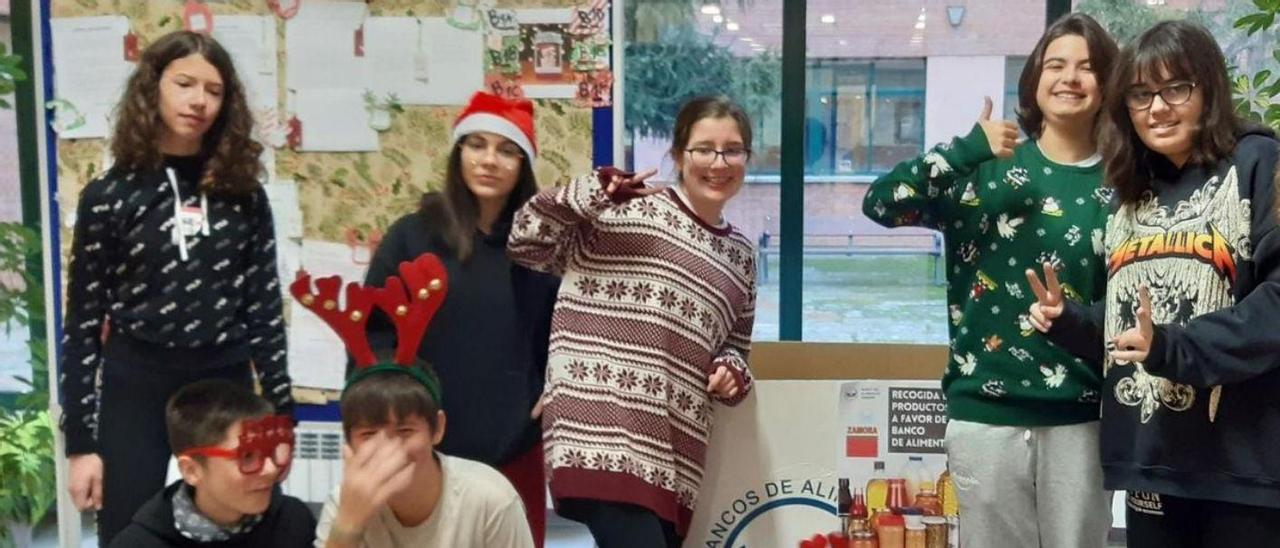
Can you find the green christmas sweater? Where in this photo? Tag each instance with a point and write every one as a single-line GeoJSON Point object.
{"type": "Point", "coordinates": [1000, 217]}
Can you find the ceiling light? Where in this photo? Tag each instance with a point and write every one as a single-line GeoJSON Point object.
{"type": "Point", "coordinates": [747, 39]}
{"type": "Point", "coordinates": [718, 19]}
{"type": "Point", "coordinates": [731, 26]}
{"type": "Point", "coordinates": [710, 9]}
{"type": "Point", "coordinates": [828, 19]}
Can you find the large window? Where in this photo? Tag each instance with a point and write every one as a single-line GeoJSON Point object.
{"type": "Point", "coordinates": [884, 81]}
{"type": "Point", "coordinates": [677, 50]}
{"type": "Point", "coordinates": [891, 78]}
{"type": "Point", "coordinates": [861, 117]}
{"type": "Point", "coordinates": [1013, 66]}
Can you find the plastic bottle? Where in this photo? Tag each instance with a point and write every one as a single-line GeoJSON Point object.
{"type": "Point", "coordinates": [845, 504]}
{"type": "Point", "coordinates": [878, 489]}
{"type": "Point", "coordinates": [947, 492]}
{"type": "Point", "coordinates": [858, 510]}
{"type": "Point", "coordinates": [927, 500]}
{"type": "Point", "coordinates": [897, 495]}
{"type": "Point", "coordinates": [915, 474]}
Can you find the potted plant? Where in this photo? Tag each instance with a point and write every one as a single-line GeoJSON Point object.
{"type": "Point", "coordinates": [27, 485]}
{"type": "Point", "coordinates": [26, 464]}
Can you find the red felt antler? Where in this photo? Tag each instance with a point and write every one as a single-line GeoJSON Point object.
{"type": "Point", "coordinates": [348, 323]}
{"type": "Point", "coordinates": [411, 300]}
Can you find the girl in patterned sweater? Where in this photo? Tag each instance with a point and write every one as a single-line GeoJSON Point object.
{"type": "Point", "coordinates": [652, 322]}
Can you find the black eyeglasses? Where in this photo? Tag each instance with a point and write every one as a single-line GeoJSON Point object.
{"type": "Point", "coordinates": [706, 156]}
{"type": "Point", "coordinates": [1172, 95]}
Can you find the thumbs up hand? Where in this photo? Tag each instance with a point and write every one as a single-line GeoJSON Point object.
{"type": "Point", "coordinates": [1001, 134]}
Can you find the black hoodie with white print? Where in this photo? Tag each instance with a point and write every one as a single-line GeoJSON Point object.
{"type": "Point", "coordinates": [187, 280]}
{"type": "Point", "coordinates": [1200, 418]}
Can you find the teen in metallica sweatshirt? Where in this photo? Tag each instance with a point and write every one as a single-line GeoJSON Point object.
{"type": "Point", "coordinates": [1190, 418]}
{"type": "Point", "coordinates": [174, 246]}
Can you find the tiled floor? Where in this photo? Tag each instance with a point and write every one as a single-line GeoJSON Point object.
{"type": "Point", "coordinates": [561, 533]}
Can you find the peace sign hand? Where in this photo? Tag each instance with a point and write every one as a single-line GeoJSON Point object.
{"type": "Point", "coordinates": [622, 186]}
{"type": "Point", "coordinates": [1134, 344]}
{"type": "Point", "coordinates": [1048, 305]}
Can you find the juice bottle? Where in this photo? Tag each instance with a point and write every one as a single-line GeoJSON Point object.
{"type": "Point", "coordinates": [858, 510]}
{"type": "Point", "coordinates": [914, 473]}
{"type": "Point", "coordinates": [878, 489]}
{"type": "Point", "coordinates": [947, 492]}
{"type": "Point", "coordinates": [927, 501]}
{"type": "Point", "coordinates": [897, 495]}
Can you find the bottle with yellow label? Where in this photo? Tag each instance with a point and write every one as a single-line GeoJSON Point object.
{"type": "Point", "coordinates": [877, 489]}
{"type": "Point", "coordinates": [947, 492]}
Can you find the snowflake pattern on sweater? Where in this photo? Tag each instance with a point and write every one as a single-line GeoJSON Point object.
{"type": "Point", "coordinates": [653, 300]}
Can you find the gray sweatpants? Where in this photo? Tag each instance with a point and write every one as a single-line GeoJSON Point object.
{"type": "Point", "coordinates": [1027, 487]}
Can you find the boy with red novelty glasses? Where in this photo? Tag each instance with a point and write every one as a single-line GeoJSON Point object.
{"type": "Point", "coordinates": [232, 452]}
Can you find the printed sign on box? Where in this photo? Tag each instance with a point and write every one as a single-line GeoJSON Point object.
{"type": "Point", "coordinates": [891, 421]}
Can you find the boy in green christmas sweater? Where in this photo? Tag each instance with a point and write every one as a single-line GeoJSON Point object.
{"type": "Point", "coordinates": [1022, 440]}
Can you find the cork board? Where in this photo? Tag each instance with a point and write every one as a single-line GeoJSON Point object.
{"type": "Point", "coordinates": [338, 192]}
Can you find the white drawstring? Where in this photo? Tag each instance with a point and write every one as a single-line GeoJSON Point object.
{"type": "Point", "coordinates": [204, 214]}
{"type": "Point", "coordinates": [179, 236]}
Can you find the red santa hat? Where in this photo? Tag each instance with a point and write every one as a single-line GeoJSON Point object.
{"type": "Point", "coordinates": [510, 118]}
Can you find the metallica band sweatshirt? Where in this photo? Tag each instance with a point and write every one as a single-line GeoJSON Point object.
{"type": "Point", "coordinates": [187, 280]}
{"type": "Point", "coordinates": [1200, 418]}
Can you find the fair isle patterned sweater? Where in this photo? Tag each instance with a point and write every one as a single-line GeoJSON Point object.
{"type": "Point", "coordinates": [653, 300]}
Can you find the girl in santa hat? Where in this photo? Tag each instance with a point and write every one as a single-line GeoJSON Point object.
{"type": "Point", "coordinates": [488, 342]}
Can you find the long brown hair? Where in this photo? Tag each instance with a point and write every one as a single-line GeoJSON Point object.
{"type": "Point", "coordinates": [234, 165]}
{"type": "Point", "coordinates": [1187, 52]}
{"type": "Point", "coordinates": [1102, 54]}
{"type": "Point", "coordinates": [462, 211]}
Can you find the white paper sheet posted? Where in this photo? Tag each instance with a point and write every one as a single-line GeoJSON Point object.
{"type": "Point", "coordinates": [334, 120]}
{"type": "Point", "coordinates": [317, 358]}
{"type": "Point", "coordinates": [320, 43]}
{"type": "Point", "coordinates": [251, 41]}
{"type": "Point", "coordinates": [424, 61]}
{"type": "Point", "coordinates": [89, 72]}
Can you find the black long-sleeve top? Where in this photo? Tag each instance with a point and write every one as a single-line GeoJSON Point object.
{"type": "Point", "coordinates": [218, 305]}
{"type": "Point", "coordinates": [487, 343]}
{"type": "Point", "coordinates": [1199, 417]}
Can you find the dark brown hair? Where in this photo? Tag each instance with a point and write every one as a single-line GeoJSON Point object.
{"type": "Point", "coordinates": [1102, 54]}
{"type": "Point", "coordinates": [462, 211]}
{"type": "Point", "coordinates": [233, 156]}
{"type": "Point", "coordinates": [1187, 52]}
{"type": "Point", "coordinates": [698, 108]}
{"type": "Point", "coordinates": [200, 413]}
{"type": "Point", "coordinates": [378, 398]}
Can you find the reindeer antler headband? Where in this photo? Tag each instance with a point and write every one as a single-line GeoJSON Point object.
{"type": "Point", "coordinates": [410, 300]}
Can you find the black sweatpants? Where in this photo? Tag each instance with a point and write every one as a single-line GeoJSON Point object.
{"type": "Point", "coordinates": [621, 525]}
{"type": "Point", "coordinates": [132, 439]}
{"type": "Point", "coordinates": [1162, 521]}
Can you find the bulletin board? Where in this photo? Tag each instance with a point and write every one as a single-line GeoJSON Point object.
{"type": "Point", "coordinates": [347, 198]}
